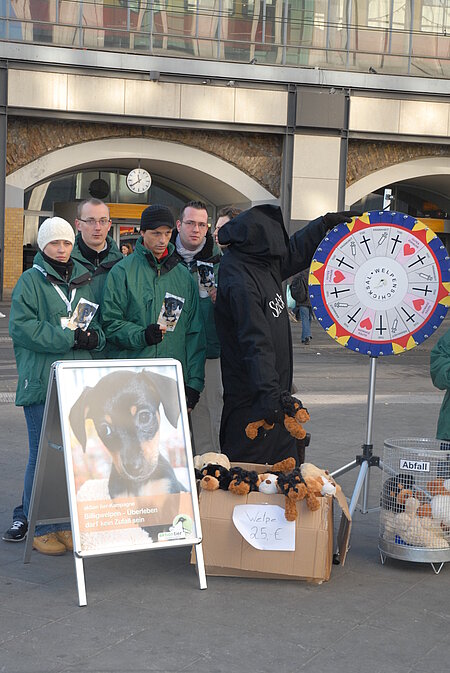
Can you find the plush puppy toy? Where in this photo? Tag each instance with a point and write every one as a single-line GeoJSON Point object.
{"type": "Point", "coordinates": [213, 477]}
{"type": "Point", "coordinates": [269, 480]}
{"type": "Point", "coordinates": [243, 481]}
{"type": "Point", "coordinates": [211, 458]}
{"type": "Point", "coordinates": [293, 487]}
{"type": "Point", "coordinates": [292, 414]}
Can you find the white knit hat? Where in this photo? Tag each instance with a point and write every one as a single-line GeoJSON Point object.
{"type": "Point", "coordinates": [54, 229]}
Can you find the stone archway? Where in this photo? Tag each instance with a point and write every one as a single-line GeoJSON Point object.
{"type": "Point", "coordinates": [205, 167]}
{"type": "Point", "coordinates": [399, 172]}
{"type": "Point", "coordinates": [219, 180]}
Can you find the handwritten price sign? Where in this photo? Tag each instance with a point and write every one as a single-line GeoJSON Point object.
{"type": "Point", "coordinates": [265, 527]}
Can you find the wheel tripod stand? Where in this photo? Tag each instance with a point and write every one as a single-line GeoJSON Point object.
{"type": "Point", "coordinates": [366, 459]}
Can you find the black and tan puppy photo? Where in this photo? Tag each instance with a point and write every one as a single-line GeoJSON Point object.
{"type": "Point", "coordinates": [172, 309]}
{"type": "Point", "coordinates": [206, 275]}
{"type": "Point", "coordinates": [125, 409]}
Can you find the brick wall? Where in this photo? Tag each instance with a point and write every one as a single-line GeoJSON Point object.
{"type": "Point", "coordinates": [13, 259]}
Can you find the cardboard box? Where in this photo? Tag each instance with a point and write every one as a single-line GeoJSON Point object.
{"type": "Point", "coordinates": [227, 553]}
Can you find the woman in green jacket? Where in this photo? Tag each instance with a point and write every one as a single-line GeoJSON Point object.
{"type": "Point", "coordinates": [42, 301]}
{"type": "Point", "coordinates": [440, 375]}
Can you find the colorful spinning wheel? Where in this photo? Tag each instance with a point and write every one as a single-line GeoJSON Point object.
{"type": "Point", "coordinates": [380, 285]}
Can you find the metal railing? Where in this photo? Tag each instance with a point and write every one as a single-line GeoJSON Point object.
{"type": "Point", "coordinates": [308, 33]}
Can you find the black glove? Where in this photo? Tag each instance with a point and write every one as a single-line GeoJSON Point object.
{"type": "Point", "coordinates": [192, 397]}
{"type": "Point", "coordinates": [333, 219]}
{"type": "Point", "coordinates": [153, 334]}
{"type": "Point", "coordinates": [272, 416]}
{"type": "Point", "coordinates": [85, 340]}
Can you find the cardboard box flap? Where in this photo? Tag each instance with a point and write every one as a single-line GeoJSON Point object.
{"type": "Point", "coordinates": [345, 526]}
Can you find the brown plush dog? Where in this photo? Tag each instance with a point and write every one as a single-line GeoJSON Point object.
{"type": "Point", "coordinates": [294, 415]}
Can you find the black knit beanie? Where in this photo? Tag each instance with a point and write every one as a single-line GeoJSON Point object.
{"type": "Point", "coordinates": [156, 216]}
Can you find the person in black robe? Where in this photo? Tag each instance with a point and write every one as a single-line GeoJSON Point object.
{"type": "Point", "coordinates": [253, 326]}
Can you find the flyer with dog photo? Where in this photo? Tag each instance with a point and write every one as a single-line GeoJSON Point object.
{"type": "Point", "coordinates": [206, 279]}
{"type": "Point", "coordinates": [170, 311]}
{"type": "Point", "coordinates": [82, 315]}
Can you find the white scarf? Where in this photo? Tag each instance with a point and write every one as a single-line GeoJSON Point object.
{"type": "Point", "coordinates": [188, 255]}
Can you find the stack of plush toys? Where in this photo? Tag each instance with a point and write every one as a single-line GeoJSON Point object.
{"type": "Point", "coordinates": [419, 517]}
{"type": "Point", "coordinates": [307, 482]}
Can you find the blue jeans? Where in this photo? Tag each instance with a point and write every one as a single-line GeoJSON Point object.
{"type": "Point", "coordinates": [305, 315]}
{"type": "Point", "coordinates": [34, 415]}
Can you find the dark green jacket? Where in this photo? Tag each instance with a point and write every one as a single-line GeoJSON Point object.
{"type": "Point", "coordinates": [209, 253]}
{"type": "Point", "coordinates": [98, 266]}
{"type": "Point", "coordinates": [134, 293]}
{"type": "Point", "coordinates": [440, 375]}
{"type": "Point", "coordinates": [35, 326]}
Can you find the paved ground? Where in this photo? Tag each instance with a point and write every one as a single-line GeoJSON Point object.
{"type": "Point", "coordinates": [145, 611]}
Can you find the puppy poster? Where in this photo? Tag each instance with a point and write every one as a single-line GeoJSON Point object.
{"type": "Point", "coordinates": [170, 311]}
{"type": "Point", "coordinates": [132, 476]}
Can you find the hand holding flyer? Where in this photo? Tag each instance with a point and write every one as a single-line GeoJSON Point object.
{"type": "Point", "coordinates": [82, 315]}
{"type": "Point", "coordinates": [170, 312]}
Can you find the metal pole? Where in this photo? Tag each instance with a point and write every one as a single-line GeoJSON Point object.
{"type": "Point", "coordinates": [371, 399]}
{"type": "Point", "coordinates": [343, 156]}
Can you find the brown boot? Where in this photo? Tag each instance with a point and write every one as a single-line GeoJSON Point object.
{"type": "Point", "coordinates": [65, 536]}
{"type": "Point", "coordinates": [49, 544]}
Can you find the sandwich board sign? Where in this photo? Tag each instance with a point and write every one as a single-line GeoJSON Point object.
{"type": "Point", "coordinates": [115, 460]}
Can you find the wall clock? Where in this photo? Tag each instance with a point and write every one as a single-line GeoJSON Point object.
{"type": "Point", "coordinates": [380, 284]}
{"type": "Point", "coordinates": [139, 180]}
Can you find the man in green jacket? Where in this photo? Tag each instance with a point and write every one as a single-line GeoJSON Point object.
{"type": "Point", "coordinates": [196, 249]}
{"type": "Point", "coordinates": [135, 291]}
{"type": "Point", "coordinates": [440, 375]}
{"type": "Point", "coordinates": [94, 248]}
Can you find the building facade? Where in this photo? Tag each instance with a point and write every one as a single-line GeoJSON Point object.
{"type": "Point", "coordinates": [314, 105]}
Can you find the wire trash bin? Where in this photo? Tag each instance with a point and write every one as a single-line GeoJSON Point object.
{"type": "Point", "coordinates": [415, 501]}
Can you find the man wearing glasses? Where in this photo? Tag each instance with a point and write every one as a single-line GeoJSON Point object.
{"type": "Point", "coordinates": [93, 247]}
{"type": "Point", "coordinates": [196, 249]}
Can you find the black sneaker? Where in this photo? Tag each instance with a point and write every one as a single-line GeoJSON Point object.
{"type": "Point", "coordinates": [16, 533]}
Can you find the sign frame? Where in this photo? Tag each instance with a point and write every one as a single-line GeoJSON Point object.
{"type": "Point", "coordinates": [54, 495]}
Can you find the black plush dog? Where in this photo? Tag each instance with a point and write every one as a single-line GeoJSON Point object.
{"type": "Point", "coordinates": [124, 407]}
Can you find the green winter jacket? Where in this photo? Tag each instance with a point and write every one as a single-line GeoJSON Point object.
{"type": "Point", "coordinates": [35, 326]}
{"type": "Point", "coordinates": [98, 268]}
{"type": "Point", "coordinates": [440, 375]}
{"type": "Point", "coordinates": [209, 253]}
{"type": "Point", "coordinates": [132, 299]}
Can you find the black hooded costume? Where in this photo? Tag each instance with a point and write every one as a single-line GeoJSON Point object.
{"type": "Point", "coordinates": [253, 326]}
